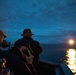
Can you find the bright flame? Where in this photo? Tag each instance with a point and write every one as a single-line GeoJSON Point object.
{"type": "Point", "coordinates": [71, 41]}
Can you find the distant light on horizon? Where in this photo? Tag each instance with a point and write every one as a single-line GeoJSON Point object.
{"type": "Point", "coordinates": [71, 41]}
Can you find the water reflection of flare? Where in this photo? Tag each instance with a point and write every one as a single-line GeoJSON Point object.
{"type": "Point", "coordinates": [71, 60]}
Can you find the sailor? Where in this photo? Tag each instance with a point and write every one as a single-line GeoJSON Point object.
{"type": "Point", "coordinates": [35, 46]}
{"type": "Point", "coordinates": [2, 37]}
{"type": "Point", "coordinates": [26, 56]}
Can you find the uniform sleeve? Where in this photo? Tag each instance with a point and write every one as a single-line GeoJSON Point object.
{"type": "Point", "coordinates": [39, 47]}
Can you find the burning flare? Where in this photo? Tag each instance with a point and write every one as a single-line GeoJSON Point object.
{"type": "Point", "coordinates": [71, 41]}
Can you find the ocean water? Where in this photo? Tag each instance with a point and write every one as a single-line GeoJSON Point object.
{"type": "Point", "coordinates": [59, 54]}
{"type": "Point", "coordinates": [53, 53]}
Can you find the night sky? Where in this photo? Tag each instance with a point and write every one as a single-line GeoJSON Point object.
{"type": "Point", "coordinates": [51, 21]}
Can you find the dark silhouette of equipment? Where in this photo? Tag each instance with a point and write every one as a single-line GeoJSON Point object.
{"type": "Point", "coordinates": [5, 44]}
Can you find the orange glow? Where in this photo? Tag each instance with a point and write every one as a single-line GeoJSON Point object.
{"type": "Point", "coordinates": [71, 41]}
